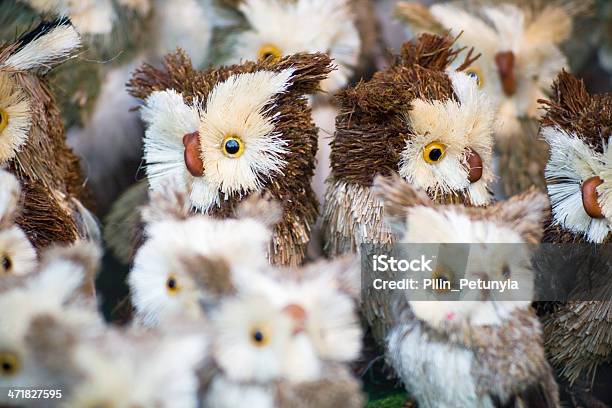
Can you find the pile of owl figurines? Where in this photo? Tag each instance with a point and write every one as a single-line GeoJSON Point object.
{"type": "Point", "coordinates": [187, 188]}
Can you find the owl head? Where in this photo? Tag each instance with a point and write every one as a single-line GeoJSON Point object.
{"type": "Point", "coordinates": [110, 367]}
{"type": "Point", "coordinates": [271, 29]}
{"type": "Point", "coordinates": [519, 46]}
{"type": "Point", "coordinates": [577, 126]}
{"type": "Point", "coordinates": [225, 133]}
{"type": "Point", "coordinates": [430, 123]}
{"type": "Point", "coordinates": [500, 235]}
{"type": "Point", "coordinates": [17, 255]}
{"type": "Point", "coordinates": [53, 290]}
{"type": "Point", "coordinates": [189, 261]}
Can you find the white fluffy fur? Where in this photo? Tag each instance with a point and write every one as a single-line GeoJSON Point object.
{"type": "Point", "coordinates": [88, 16]}
{"type": "Point", "coordinates": [10, 191]}
{"type": "Point", "coordinates": [57, 44]}
{"type": "Point", "coordinates": [505, 27]}
{"type": "Point", "coordinates": [224, 393]}
{"type": "Point", "coordinates": [17, 107]}
{"type": "Point", "coordinates": [15, 246]}
{"type": "Point", "coordinates": [572, 162]}
{"type": "Point", "coordinates": [238, 106]}
{"type": "Point", "coordinates": [302, 26]}
{"type": "Point", "coordinates": [458, 125]}
{"type": "Point", "coordinates": [241, 243]}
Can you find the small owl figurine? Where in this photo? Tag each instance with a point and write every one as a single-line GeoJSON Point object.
{"type": "Point", "coordinates": [486, 349]}
{"type": "Point", "coordinates": [520, 51]}
{"type": "Point", "coordinates": [101, 367]}
{"type": "Point", "coordinates": [226, 133]}
{"type": "Point", "coordinates": [579, 181]}
{"type": "Point", "coordinates": [185, 267]}
{"type": "Point", "coordinates": [32, 145]}
{"type": "Point", "coordinates": [54, 289]}
{"type": "Point", "coordinates": [17, 255]}
{"type": "Point", "coordinates": [419, 118]}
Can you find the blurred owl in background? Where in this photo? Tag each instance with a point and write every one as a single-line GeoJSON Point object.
{"type": "Point", "coordinates": [114, 368]}
{"type": "Point", "coordinates": [431, 124]}
{"type": "Point", "coordinates": [188, 262]}
{"type": "Point", "coordinates": [17, 255]}
{"type": "Point", "coordinates": [225, 133]}
{"type": "Point", "coordinates": [579, 181]}
{"type": "Point", "coordinates": [519, 43]}
{"type": "Point", "coordinates": [483, 350]}
{"type": "Point", "coordinates": [32, 144]}
{"type": "Point", "coordinates": [57, 288]}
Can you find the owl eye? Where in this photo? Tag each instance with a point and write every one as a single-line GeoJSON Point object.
{"type": "Point", "coordinates": [443, 278]}
{"type": "Point", "coordinates": [434, 152]}
{"type": "Point", "coordinates": [4, 119]}
{"type": "Point", "coordinates": [172, 285]}
{"type": "Point", "coordinates": [269, 52]}
{"type": "Point", "coordinates": [476, 74]}
{"type": "Point", "coordinates": [232, 146]}
{"type": "Point", "coordinates": [5, 264]}
{"type": "Point", "coordinates": [260, 336]}
{"type": "Point", "coordinates": [506, 271]}
{"type": "Point", "coordinates": [9, 364]}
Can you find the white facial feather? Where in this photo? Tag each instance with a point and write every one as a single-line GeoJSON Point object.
{"type": "Point", "coordinates": [325, 26]}
{"type": "Point", "coordinates": [239, 106]}
{"type": "Point", "coordinates": [16, 119]}
{"type": "Point", "coordinates": [458, 125]}
{"type": "Point", "coordinates": [241, 243]}
{"type": "Point", "coordinates": [571, 163]}
{"type": "Point", "coordinates": [17, 255]}
{"type": "Point", "coordinates": [57, 44]}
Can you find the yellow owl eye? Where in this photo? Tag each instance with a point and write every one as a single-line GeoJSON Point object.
{"type": "Point", "coordinates": [269, 52]}
{"type": "Point", "coordinates": [5, 264]}
{"type": "Point", "coordinates": [9, 364]}
{"type": "Point", "coordinates": [172, 285]}
{"type": "Point", "coordinates": [443, 279]}
{"type": "Point", "coordinates": [4, 119]}
{"type": "Point", "coordinates": [232, 146]}
{"type": "Point", "coordinates": [476, 74]}
{"type": "Point", "coordinates": [434, 152]}
{"type": "Point", "coordinates": [260, 336]}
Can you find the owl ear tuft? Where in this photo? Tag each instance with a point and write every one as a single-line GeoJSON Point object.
{"type": "Point", "coordinates": [83, 256]}
{"type": "Point", "coordinates": [398, 195]}
{"type": "Point", "coordinates": [50, 43]}
{"type": "Point", "coordinates": [430, 51]}
{"type": "Point", "coordinates": [524, 213]}
{"type": "Point", "coordinates": [308, 71]}
{"type": "Point", "coordinates": [10, 192]}
{"type": "Point", "coordinates": [570, 93]}
{"type": "Point", "coordinates": [262, 208]}
{"type": "Point", "coordinates": [168, 203]}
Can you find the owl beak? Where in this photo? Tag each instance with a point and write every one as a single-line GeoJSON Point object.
{"type": "Point", "coordinates": [589, 197]}
{"type": "Point", "coordinates": [193, 154]}
{"type": "Point", "coordinates": [297, 315]}
{"type": "Point", "coordinates": [505, 68]}
{"type": "Point", "coordinates": [474, 164]}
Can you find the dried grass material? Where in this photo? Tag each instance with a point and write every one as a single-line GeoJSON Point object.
{"type": "Point", "coordinates": [575, 111]}
{"type": "Point", "coordinates": [522, 159]}
{"type": "Point", "coordinates": [371, 127]}
{"type": "Point", "coordinates": [579, 337]}
{"type": "Point", "coordinates": [419, 16]}
{"type": "Point", "coordinates": [372, 42]}
{"type": "Point", "coordinates": [294, 122]}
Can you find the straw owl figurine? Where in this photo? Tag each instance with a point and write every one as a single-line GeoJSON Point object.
{"type": "Point", "coordinates": [485, 349]}
{"type": "Point", "coordinates": [578, 175]}
{"type": "Point", "coordinates": [520, 47]}
{"type": "Point", "coordinates": [32, 144]}
{"type": "Point", "coordinates": [225, 133]}
{"type": "Point", "coordinates": [419, 118]}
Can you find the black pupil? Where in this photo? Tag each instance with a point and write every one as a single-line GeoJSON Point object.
{"type": "Point", "coordinates": [171, 283]}
{"type": "Point", "coordinates": [6, 263]}
{"type": "Point", "coordinates": [258, 336]}
{"type": "Point", "coordinates": [6, 366]}
{"type": "Point", "coordinates": [473, 75]}
{"type": "Point", "coordinates": [232, 146]}
{"type": "Point", "coordinates": [435, 154]}
{"type": "Point", "coordinates": [268, 55]}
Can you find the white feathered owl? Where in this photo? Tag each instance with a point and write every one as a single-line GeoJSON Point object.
{"type": "Point", "coordinates": [285, 330]}
{"type": "Point", "coordinates": [485, 349]}
{"type": "Point", "coordinates": [419, 117]}
{"type": "Point", "coordinates": [520, 47]}
{"type": "Point", "coordinates": [54, 289]}
{"type": "Point", "coordinates": [17, 255]}
{"type": "Point", "coordinates": [189, 261]}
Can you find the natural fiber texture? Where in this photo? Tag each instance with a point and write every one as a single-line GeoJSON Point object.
{"type": "Point", "coordinates": [292, 189]}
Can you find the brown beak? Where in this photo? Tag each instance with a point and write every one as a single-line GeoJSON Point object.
{"type": "Point", "coordinates": [505, 68]}
{"type": "Point", "coordinates": [193, 154]}
{"type": "Point", "coordinates": [589, 197]}
{"type": "Point", "coordinates": [474, 162]}
{"type": "Point", "coordinates": [298, 315]}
